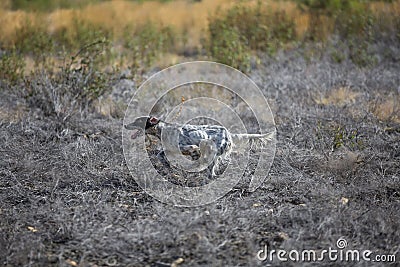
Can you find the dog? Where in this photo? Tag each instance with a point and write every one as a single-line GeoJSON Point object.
{"type": "Point", "coordinates": [212, 144]}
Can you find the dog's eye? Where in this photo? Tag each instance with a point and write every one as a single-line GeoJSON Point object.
{"type": "Point", "coordinates": [153, 120]}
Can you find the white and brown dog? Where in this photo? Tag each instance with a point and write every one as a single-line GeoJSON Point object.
{"type": "Point", "coordinates": [212, 144]}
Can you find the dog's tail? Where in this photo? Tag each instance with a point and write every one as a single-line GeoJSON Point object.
{"type": "Point", "coordinates": [255, 140]}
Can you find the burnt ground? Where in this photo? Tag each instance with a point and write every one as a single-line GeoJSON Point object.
{"type": "Point", "coordinates": [67, 197]}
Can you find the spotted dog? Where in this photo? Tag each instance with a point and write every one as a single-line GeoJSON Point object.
{"type": "Point", "coordinates": [212, 143]}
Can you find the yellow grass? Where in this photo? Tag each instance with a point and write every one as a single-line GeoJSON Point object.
{"type": "Point", "coordinates": [387, 109]}
{"type": "Point", "coordinates": [188, 17]}
{"type": "Point", "coordinates": [183, 15]}
{"type": "Point", "coordinates": [338, 96]}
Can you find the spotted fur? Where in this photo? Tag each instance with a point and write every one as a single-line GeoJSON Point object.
{"type": "Point", "coordinates": [192, 137]}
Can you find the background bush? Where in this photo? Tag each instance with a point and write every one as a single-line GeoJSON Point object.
{"type": "Point", "coordinates": [12, 67]}
{"type": "Point", "coordinates": [146, 43]}
{"type": "Point", "coordinates": [226, 45]}
{"type": "Point", "coordinates": [233, 36]}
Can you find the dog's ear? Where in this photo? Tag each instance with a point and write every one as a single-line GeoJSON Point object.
{"type": "Point", "coordinates": [154, 120]}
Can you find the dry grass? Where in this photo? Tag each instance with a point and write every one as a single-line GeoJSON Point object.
{"type": "Point", "coordinates": [191, 18]}
{"type": "Point", "coordinates": [189, 23]}
{"type": "Point", "coordinates": [187, 17]}
{"type": "Point", "coordinates": [67, 197]}
{"type": "Point", "coordinates": [338, 96]}
{"type": "Point", "coordinates": [387, 109]}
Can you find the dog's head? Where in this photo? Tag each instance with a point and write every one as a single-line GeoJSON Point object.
{"type": "Point", "coordinates": [146, 123]}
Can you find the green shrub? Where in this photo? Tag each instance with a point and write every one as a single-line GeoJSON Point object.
{"type": "Point", "coordinates": [345, 137]}
{"type": "Point", "coordinates": [228, 46]}
{"type": "Point", "coordinates": [350, 17]}
{"type": "Point", "coordinates": [261, 28]}
{"type": "Point", "coordinates": [12, 66]}
{"type": "Point", "coordinates": [87, 63]}
{"type": "Point", "coordinates": [355, 21]}
{"type": "Point", "coordinates": [334, 136]}
{"type": "Point", "coordinates": [79, 34]}
{"type": "Point", "coordinates": [359, 53]}
{"type": "Point", "coordinates": [337, 51]}
{"type": "Point", "coordinates": [49, 5]}
{"type": "Point", "coordinates": [32, 39]}
{"type": "Point", "coordinates": [146, 43]}
{"type": "Point", "coordinates": [328, 7]}
{"type": "Point", "coordinates": [356, 25]}
{"type": "Point", "coordinates": [74, 88]}
{"type": "Point", "coordinates": [243, 28]}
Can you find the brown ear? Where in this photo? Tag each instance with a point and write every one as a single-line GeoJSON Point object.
{"type": "Point", "coordinates": [154, 120]}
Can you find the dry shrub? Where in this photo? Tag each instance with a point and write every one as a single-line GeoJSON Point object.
{"type": "Point", "coordinates": [339, 97]}
{"type": "Point", "coordinates": [115, 16]}
{"type": "Point", "coordinates": [387, 109]}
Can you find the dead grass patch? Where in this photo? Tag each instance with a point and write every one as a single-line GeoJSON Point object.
{"type": "Point", "coordinates": [191, 18]}
{"type": "Point", "coordinates": [338, 97]}
{"type": "Point", "coordinates": [387, 109]}
{"type": "Point", "coordinates": [187, 17]}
